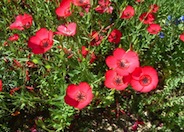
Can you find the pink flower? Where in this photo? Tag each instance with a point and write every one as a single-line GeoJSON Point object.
{"type": "Point", "coordinates": [144, 79]}
{"type": "Point", "coordinates": [14, 37]}
{"type": "Point", "coordinates": [154, 28]}
{"type": "Point", "coordinates": [115, 36]}
{"type": "Point", "coordinates": [123, 62]}
{"type": "Point", "coordinates": [115, 81]}
{"type": "Point", "coordinates": [182, 37]}
{"type": "Point", "coordinates": [22, 22]}
{"type": "Point", "coordinates": [78, 96]}
{"type": "Point", "coordinates": [64, 9]}
{"type": "Point", "coordinates": [67, 29]}
{"type": "Point", "coordinates": [128, 12]}
{"type": "Point", "coordinates": [41, 42]}
{"type": "Point", "coordinates": [147, 18]}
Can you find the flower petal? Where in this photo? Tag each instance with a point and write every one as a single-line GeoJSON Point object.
{"type": "Point", "coordinates": [72, 90]}
{"type": "Point", "coordinates": [111, 62]}
{"type": "Point", "coordinates": [42, 33]}
{"type": "Point", "coordinates": [84, 87]}
{"type": "Point", "coordinates": [70, 101]}
{"type": "Point", "coordinates": [109, 76]}
{"type": "Point", "coordinates": [119, 53]}
{"type": "Point", "coordinates": [136, 85]}
{"type": "Point", "coordinates": [33, 42]}
{"type": "Point", "coordinates": [147, 89]}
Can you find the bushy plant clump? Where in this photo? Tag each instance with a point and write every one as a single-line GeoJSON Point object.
{"type": "Point", "coordinates": [62, 58]}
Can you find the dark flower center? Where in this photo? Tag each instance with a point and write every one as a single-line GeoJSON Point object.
{"type": "Point", "coordinates": [145, 80]}
{"type": "Point", "coordinates": [45, 43]}
{"type": "Point", "coordinates": [118, 80]}
{"type": "Point", "coordinates": [114, 36]}
{"type": "Point", "coordinates": [81, 1]}
{"type": "Point", "coordinates": [123, 64]}
{"type": "Point", "coordinates": [28, 24]}
{"type": "Point", "coordinates": [67, 11]}
{"type": "Point", "coordinates": [128, 14]}
{"type": "Point", "coordinates": [80, 97]}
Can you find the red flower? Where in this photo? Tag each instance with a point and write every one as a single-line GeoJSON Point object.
{"type": "Point", "coordinates": [144, 79]}
{"type": "Point", "coordinates": [154, 8]}
{"type": "Point", "coordinates": [93, 57]}
{"type": "Point", "coordinates": [41, 42]}
{"type": "Point", "coordinates": [1, 86]}
{"type": "Point", "coordinates": [84, 51]}
{"type": "Point", "coordinates": [78, 96]}
{"type": "Point", "coordinates": [128, 12]}
{"type": "Point", "coordinates": [115, 81]}
{"type": "Point", "coordinates": [64, 9]}
{"type": "Point", "coordinates": [123, 62]}
{"type": "Point", "coordinates": [182, 37]}
{"type": "Point", "coordinates": [135, 125]}
{"type": "Point", "coordinates": [21, 22]}
{"type": "Point", "coordinates": [14, 37]}
{"type": "Point", "coordinates": [115, 36]}
{"type": "Point", "coordinates": [147, 18]}
{"type": "Point", "coordinates": [86, 8]}
{"type": "Point", "coordinates": [67, 30]}
{"type": "Point", "coordinates": [104, 6]}
{"type": "Point", "coordinates": [16, 63]}
{"type": "Point", "coordinates": [96, 39]}
{"type": "Point", "coordinates": [81, 2]}
{"type": "Point", "coordinates": [154, 28]}
{"type": "Point", "coordinates": [12, 91]}
{"type": "Point", "coordinates": [104, 2]}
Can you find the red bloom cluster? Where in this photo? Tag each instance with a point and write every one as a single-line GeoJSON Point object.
{"type": "Point", "coordinates": [78, 96]}
{"type": "Point", "coordinates": [125, 70]}
{"type": "Point", "coordinates": [148, 18]}
{"type": "Point", "coordinates": [124, 66]}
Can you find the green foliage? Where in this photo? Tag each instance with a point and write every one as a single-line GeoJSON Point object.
{"type": "Point", "coordinates": [52, 72]}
